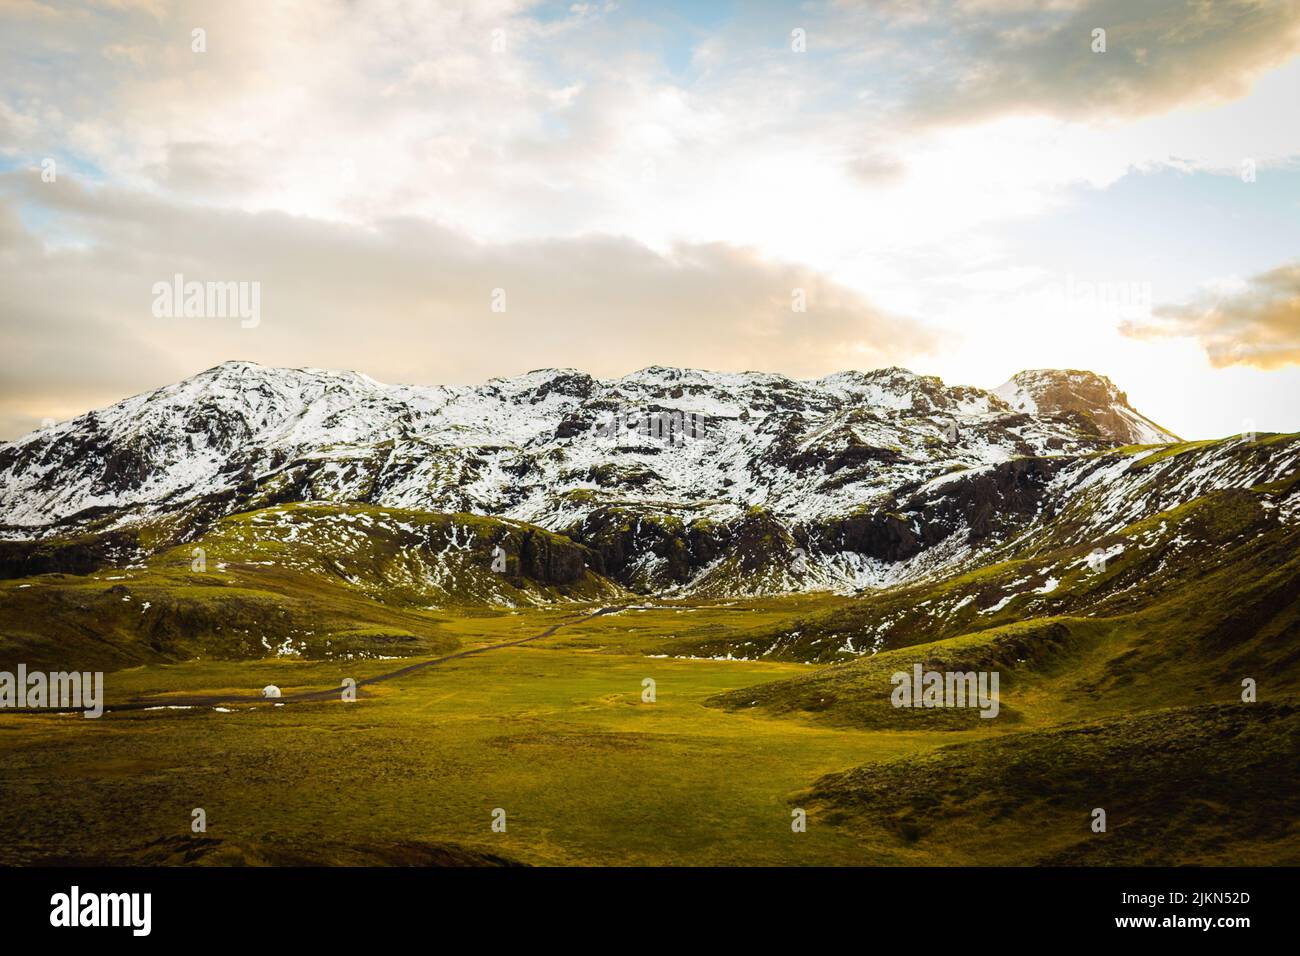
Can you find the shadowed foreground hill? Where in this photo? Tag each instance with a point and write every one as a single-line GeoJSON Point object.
{"type": "Point", "coordinates": [210, 851]}
{"type": "Point", "coordinates": [1213, 785]}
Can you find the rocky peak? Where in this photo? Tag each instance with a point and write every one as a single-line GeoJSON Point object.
{"type": "Point", "coordinates": [1087, 396]}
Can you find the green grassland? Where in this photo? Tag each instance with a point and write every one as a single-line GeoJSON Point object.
{"type": "Point", "coordinates": [557, 736]}
{"type": "Point", "coordinates": [1121, 689]}
{"type": "Point", "coordinates": [556, 733]}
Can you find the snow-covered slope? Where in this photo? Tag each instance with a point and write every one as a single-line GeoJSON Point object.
{"type": "Point", "coordinates": [1092, 397]}
{"type": "Point", "coordinates": [517, 446]}
{"type": "Point", "coordinates": [720, 482]}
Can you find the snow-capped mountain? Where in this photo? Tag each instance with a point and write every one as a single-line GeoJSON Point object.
{"type": "Point", "coordinates": [519, 446]}
{"type": "Point", "coordinates": [716, 482]}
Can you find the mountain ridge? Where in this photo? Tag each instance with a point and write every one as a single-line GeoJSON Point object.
{"type": "Point", "coordinates": [674, 479]}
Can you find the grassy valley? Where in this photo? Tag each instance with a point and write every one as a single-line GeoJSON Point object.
{"type": "Point", "coordinates": [501, 668]}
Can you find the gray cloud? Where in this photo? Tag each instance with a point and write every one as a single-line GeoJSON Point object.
{"type": "Point", "coordinates": [402, 299]}
{"type": "Point", "coordinates": [1258, 325]}
{"type": "Point", "coordinates": [987, 58]}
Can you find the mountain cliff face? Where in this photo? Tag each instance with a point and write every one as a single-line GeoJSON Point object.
{"type": "Point", "coordinates": [667, 479]}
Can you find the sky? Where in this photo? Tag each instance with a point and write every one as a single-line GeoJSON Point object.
{"type": "Point", "coordinates": [445, 193]}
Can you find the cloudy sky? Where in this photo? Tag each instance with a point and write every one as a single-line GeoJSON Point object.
{"type": "Point", "coordinates": [436, 192]}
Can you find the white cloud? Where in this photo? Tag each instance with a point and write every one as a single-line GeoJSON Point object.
{"type": "Point", "coordinates": [397, 149]}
